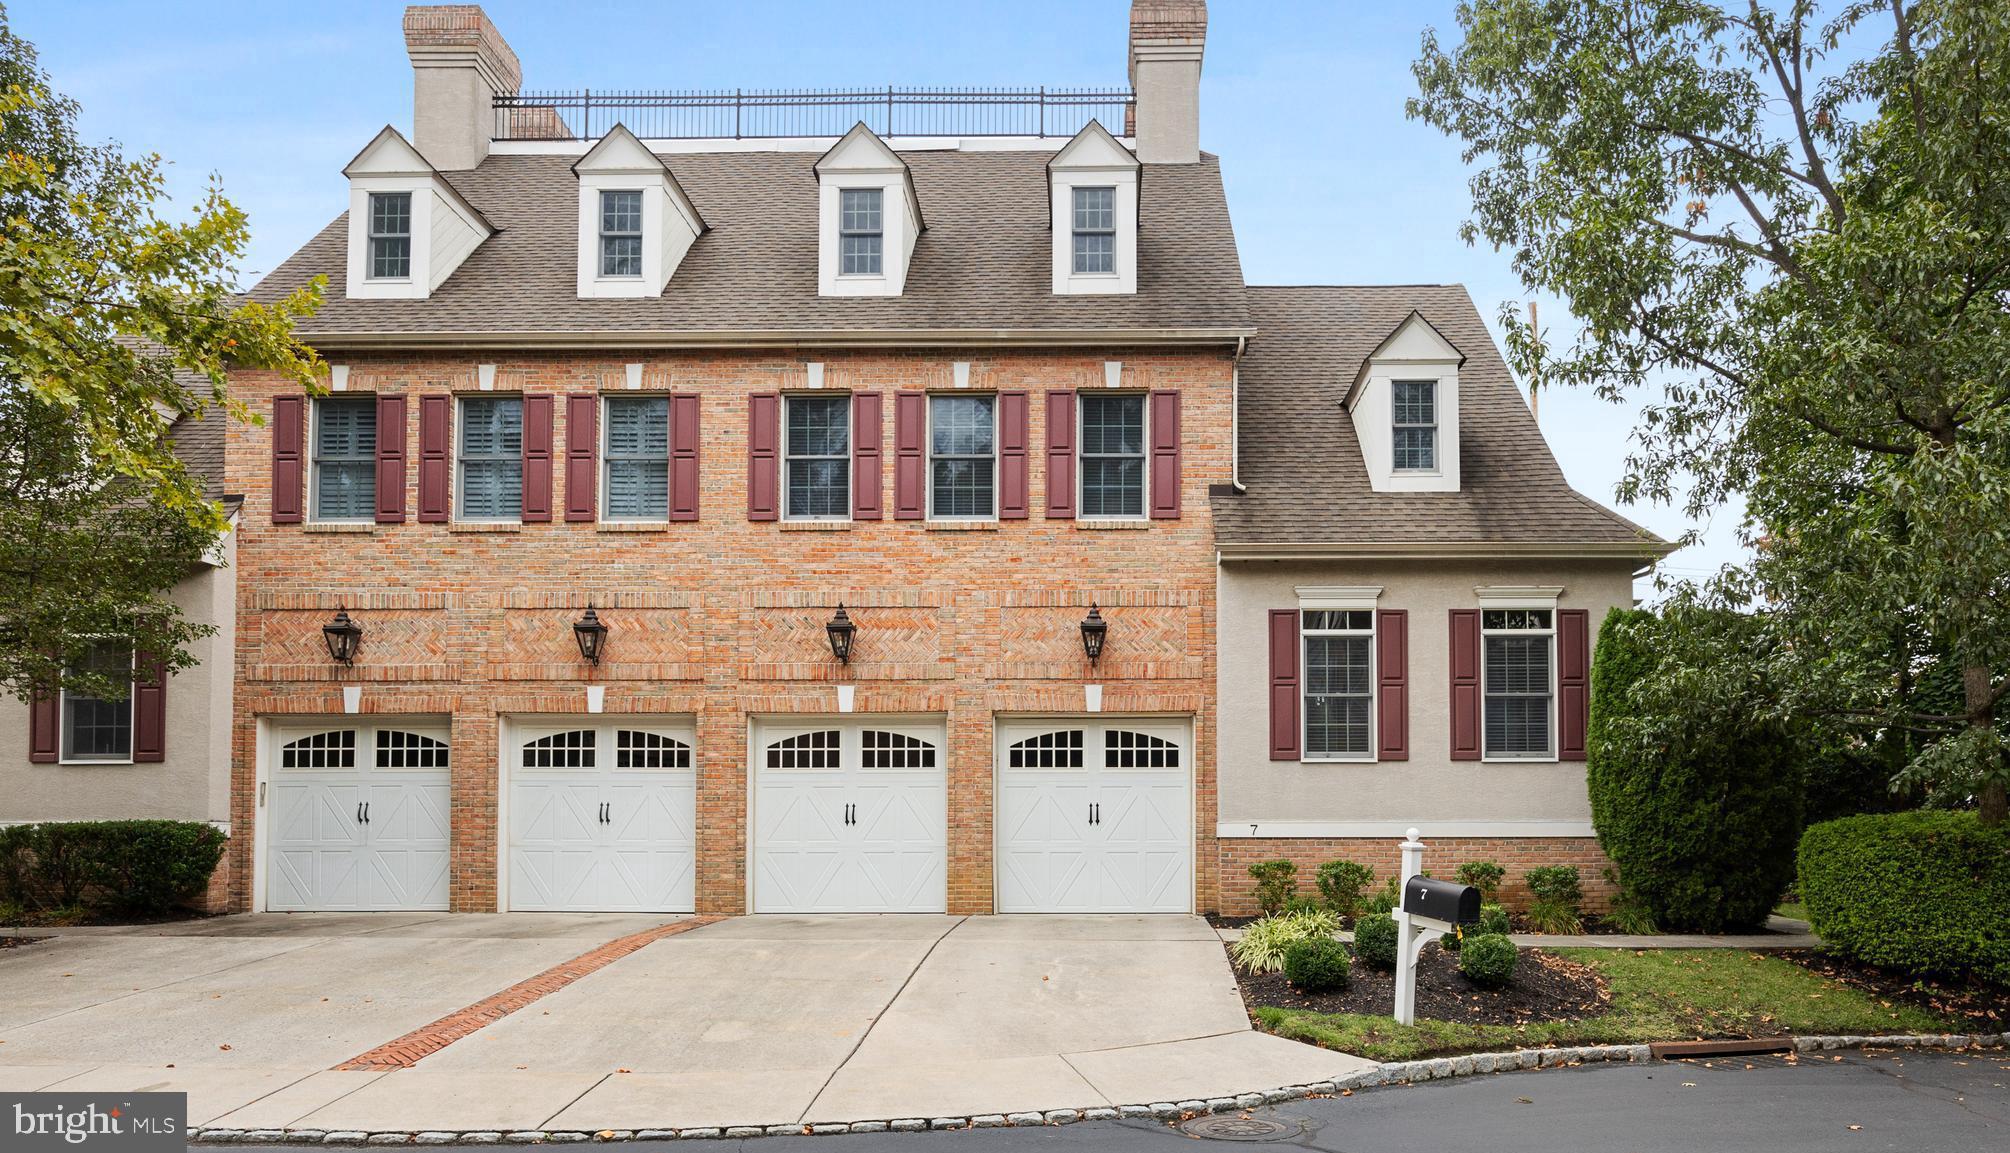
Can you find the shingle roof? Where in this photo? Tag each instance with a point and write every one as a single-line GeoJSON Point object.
{"type": "Point", "coordinates": [983, 266]}
{"type": "Point", "coordinates": [1301, 464]}
{"type": "Point", "coordinates": [199, 440]}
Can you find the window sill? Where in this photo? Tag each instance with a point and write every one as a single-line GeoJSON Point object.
{"type": "Point", "coordinates": [127, 763]}
{"type": "Point", "coordinates": [816, 526]}
{"type": "Point", "coordinates": [1550, 760]}
{"type": "Point", "coordinates": [962, 526]}
{"type": "Point", "coordinates": [632, 526]}
{"type": "Point", "coordinates": [362, 527]}
{"type": "Point", "coordinates": [1137, 525]}
{"type": "Point", "coordinates": [1321, 761]}
{"type": "Point", "coordinates": [485, 526]}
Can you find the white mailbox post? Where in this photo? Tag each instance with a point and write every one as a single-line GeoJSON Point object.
{"type": "Point", "coordinates": [1412, 932]}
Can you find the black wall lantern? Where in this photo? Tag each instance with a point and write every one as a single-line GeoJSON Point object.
{"type": "Point", "coordinates": [1094, 629]}
{"type": "Point", "coordinates": [591, 634]}
{"type": "Point", "coordinates": [344, 637]}
{"type": "Point", "coordinates": [840, 630]}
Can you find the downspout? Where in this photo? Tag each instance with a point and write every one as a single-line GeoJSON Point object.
{"type": "Point", "coordinates": [1235, 416]}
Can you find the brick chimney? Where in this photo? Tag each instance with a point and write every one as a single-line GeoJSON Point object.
{"type": "Point", "coordinates": [460, 63]}
{"type": "Point", "coordinates": [1167, 38]}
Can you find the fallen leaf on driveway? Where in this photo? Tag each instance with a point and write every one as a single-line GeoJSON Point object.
{"type": "Point", "coordinates": [225, 1048]}
{"type": "Point", "coordinates": [1524, 1100]}
{"type": "Point", "coordinates": [1688, 1084]}
{"type": "Point", "coordinates": [1855, 1128]}
{"type": "Point", "coordinates": [624, 1070]}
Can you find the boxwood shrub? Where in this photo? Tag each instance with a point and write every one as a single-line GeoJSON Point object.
{"type": "Point", "coordinates": [1317, 965]}
{"type": "Point", "coordinates": [126, 868]}
{"type": "Point", "coordinates": [1375, 940]}
{"type": "Point", "coordinates": [1925, 891]}
{"type": "Point", "coordinates": [1488, 960]}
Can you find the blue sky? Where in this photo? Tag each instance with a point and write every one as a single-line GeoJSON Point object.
{"type": "Point", "coordinates": [1328, 182]}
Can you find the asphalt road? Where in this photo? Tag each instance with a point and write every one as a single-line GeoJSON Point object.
{"type": "Point", "coordinates": [1937, 1102]}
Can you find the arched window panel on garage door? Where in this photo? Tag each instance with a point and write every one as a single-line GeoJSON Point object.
{"type": "Point", "coordinates": [640, 749]}
{"type": "Point", "coordinates": [884, 750]}
{"type": "Point", "coordinates": [1124, 749]}
{"type": "Point", "coordinates": [334, 749]}
{"type": "Point", "coordinates": [571, 749]}
{"type": "Point", "coordinates": [1061, 749]}
{"type": "Point", "coordinates": [401, 749]}
{"type": "Point", "coordinates": [816, 749]}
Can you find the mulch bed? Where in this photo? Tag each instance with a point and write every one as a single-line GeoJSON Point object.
{"type": "Point", "coordinates": [1985, 1007]}
{"type": "Point", "coordinates": [1545, 988]}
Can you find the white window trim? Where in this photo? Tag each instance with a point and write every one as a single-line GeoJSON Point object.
{"type": "Point", "coordinates": [850, 457]}
{"type": "Point", "coordinates": [864, 276]}
{"type": "Point", "coordinates": [1338, 596]}
{"type": "Point", "coordinates": [411, 234]}
{"type": "Point", "coordinates": [1513, 597]}
{"type": "Point", "coordinates": [1305, 684]}
{"type": "Point", "coordinates": [1436, 426]}
{"type": "Point", "coordinates": [1073, 232]}
{"type": "Point", "coordinates": [314, 466]}
{"type": "Point", "coordinates": [928, 480]}
{"type": "Point", "coordinates": [132, 722]}
{"type": "Point", "coordinates": [604, 459]}
{"type": "Point", "coordinates": [457, 473]}
{"type": "Point", "coordinates": [600, 235]}
{"type": "Point", "coordinates": [1081, 474]}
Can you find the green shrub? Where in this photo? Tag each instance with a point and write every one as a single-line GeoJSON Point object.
{"type": "Point", "coordinates": [1276, 884]}
{"type": "Point", "coordinates": [1927, 892]}
{"type": "Point", "coordinates": [1559, 899]}
{"type": "Point", "coordinates": [1261, 947]}
{"type": "Point", "coordinates": [128, 868]}
{"type": "Point", "coordinates": [1482, 875]}
{"type": "Point", "coordinates": [63, 859]}
{"type": "Point", "coordinates": [15, 863]}
{"type": "Point", "coordinates": [1494, 919]}
{"type": "Point", "coordinates": [1340, 884]}
{"type": "Point", "coordinates": [1697, 795]}
{"type": "Point", "coordinates": [1317, 965]}
{"type": "Point", "coordinates": [1629, 913]}
{"type": "Point", "coordinates": [1386, 898]}
{"type": "Point", "coordinates": [1488, 960]}
{"type": "Point", "coordinates": [1375, 940]}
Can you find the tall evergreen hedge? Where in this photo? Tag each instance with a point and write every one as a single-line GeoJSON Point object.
{"type": "Point", "coordinates": [1925, 891]}
{"type": "Point", "coordinates": [1696, 796]}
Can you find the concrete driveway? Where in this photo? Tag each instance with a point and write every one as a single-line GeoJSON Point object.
{"type": "Point", "coordinates": [747, 1021]}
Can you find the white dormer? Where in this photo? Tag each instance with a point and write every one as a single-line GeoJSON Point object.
{"type": "Point", "coordinates": [868, 217]}
{"type": "Point", "coordinates": [1093, 215]}
{"type": "Point", "coordinates": [408, 228]}
{"type": "Point", "coordinates": [1405, 405]}
{"type": "Point", "coordinates": [635, 223]}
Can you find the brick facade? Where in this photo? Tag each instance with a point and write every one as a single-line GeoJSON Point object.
{"type": "Point", "coordinates": [722, 620]}
{"type": "Point", "coordinates": [1442, 858]}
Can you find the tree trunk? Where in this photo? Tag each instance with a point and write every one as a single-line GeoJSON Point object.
{"type": "Point", "coordinates": [1975, 683]}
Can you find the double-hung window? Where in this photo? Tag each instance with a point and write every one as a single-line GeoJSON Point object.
{"type": "Point", "coordinates": [1339, 683]}
{"type": "Point", "coordinates": [1518, 658]}
{"type": "Point", "coordinates": [860, 232]}
{"type": "Point", "coordinates": [621, 233]}
{"type": "Point", "coordinates": [1113, 454]}
{"type": "Point", "coordinates": [1415, 420]}
{"type": "Point", "coordinates": [818, 454]}
{"type": "Point", "coordinates": [963, 465]}
{"type": "Point", "coordinates": [1095, 230]}
{"type": "Point", "coordinates": [100, 728]}
{"type": "Point", "coordinates": [491, 458]}
{"type": "Point", "coordinates": [345, 464]}
{"type": "Point", "coordinates": [390, 235]}
{"type": "Point", "coordinates": [637, 456]}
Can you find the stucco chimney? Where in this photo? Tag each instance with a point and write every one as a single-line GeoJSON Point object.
{"type": "Point", "coordinates": [1167, 38]}
{"type": "Point", "coordinates": [460, 63]}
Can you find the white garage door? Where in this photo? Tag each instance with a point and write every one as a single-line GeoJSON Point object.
{"type": "Point", "coordinates": [602, 817]}
{"type": "Point", "coordinates": [1095, 817]}
{"type": "Point", "coordinates": [358, 819]}
{"type": "Point", "coordinates": [850, 818]}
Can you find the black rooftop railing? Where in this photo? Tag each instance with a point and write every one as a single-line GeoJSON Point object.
{"type": "Point", "coordinates": [743, 114]}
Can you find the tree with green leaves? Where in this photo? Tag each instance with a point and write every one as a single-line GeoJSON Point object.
{"type": "Point", "coordinates": [1791, 233]}
{"type": "Point", "coordinates": [115, 323]}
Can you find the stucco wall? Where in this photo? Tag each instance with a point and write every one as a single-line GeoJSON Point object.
{"type": "Point", "coordinates": [1285, 798]}
{"type": "Point", "coordinates": [193, 783]}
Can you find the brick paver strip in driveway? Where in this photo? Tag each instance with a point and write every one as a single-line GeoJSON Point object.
{"type": "Point", "coordinates": [422, 1042]}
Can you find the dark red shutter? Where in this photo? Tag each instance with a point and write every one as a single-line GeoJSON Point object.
{"type": "Point", "coordinates": [1573, 682]}
{"type": "Point", "coordinates": [1465, 684]}
{"type": "Point", "coordinates": [436, 437]}
{"type": "Point", "coordinates": [1165, 456]}
{"type": "Point", "coordinates": [1284, 684]}
{"type": "Point", "coordinates": [684, 456]}
{"type": "Point", "coordinates": [1060, 455]}
{"type": "Point", "coordinates": [149, 710]}
{"type": "Point", "coordinates": [537, 434]}
{"type": "Point", "coordinates": [289, 464]}
{"type": "Point", "coordinates": [582, 442]}
{"type": "Point", "coordinates": [1013, 501]}
{"type": "Point", "coordinates": [910, 429]}
{"type": "Point", "coordinates": [44, 729]}
{"type": "Point", "coordinates": [390, 460]}
{"type": "Point", "coordinates": [1392, 688]}
{"type": "Point", "coordinates": [764, 429]}
{"type": "Point", "coordinates": [866, 482]}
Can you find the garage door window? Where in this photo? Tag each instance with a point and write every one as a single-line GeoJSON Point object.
{"type": "Point", "coordinates": [331, 750]}
{"type": "Point", "coordinates": [812, 750]}
{"type": "Point", "coordinates": [567, 750]}
{"type": "Point", "coordinates": [634, 749]}
{"type": "Point", "coordinates": [397, 749]}
{"type": "Point", "coordinates": [883, 750]}
{"type": "Point", "coordinates": [1058, 750]}
{"type": "Point", "coordinates": [1123, 749]}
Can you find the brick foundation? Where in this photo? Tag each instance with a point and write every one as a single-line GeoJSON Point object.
{"type": "Point", "coordinates": [1442, 858]}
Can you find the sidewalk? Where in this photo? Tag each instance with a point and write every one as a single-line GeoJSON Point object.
{"type": "Point", "coordinates": [1781, 933]}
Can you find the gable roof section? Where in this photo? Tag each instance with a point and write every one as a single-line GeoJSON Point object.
{"type": "Point", "coordinates": [1306, 488]}
{"type": "Point", "coordinates": [862, 150]}
{"type": "Point", "coordinates": [390, 154]}
{"type": "Point", "coordinates": [982, 273]}
{"type": "Point", "coordinates": [620, 153]}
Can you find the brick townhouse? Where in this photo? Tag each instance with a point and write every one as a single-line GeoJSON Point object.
{"type": "Point", "coordinates": [795, 505]}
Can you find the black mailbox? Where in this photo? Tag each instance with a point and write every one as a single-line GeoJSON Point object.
{"type": "Point", "coordinates": [1441, 900]}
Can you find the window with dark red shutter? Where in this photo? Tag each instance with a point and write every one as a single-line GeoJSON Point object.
{"type": "Point", "coordinates": [45, 732]}
{"type": "Point", "coordinates": [1013, 500]}
{"type": "Point", "coordinates": [764, 431]}
{"type": "Point", "coordinates": [1573, 682]}
{"type": "Point", "coordinates": [1465, 688]}
{"type": "Point", "coordinates": [582, 440]}
{"type": "Point", "coordinates": [390, 460]}
{"type": "Point", "coordinates": [1165, 462]}
{"type": "Point", "coordinates": [436, 436]}
{"type": "Point", "coordinates": [684, 456]}
{"type": "Point", "coordinates": [1284, 703]}
{"type": "Point", "coordinates": [149, 711]}
{"type": "Point", "coordinates": [289, 464]}
{"type": "Point", "coordinates": [537, 437]}
{"type": "Point", "coordinates": [910, 432]}
{"type": "Point", "coordinates": [1061, 455]}
{"type": "Point", "coordinates": [866, 481]}
{"type": "Point", "coordinates": [1392, 677]}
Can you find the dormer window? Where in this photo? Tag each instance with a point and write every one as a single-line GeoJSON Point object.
{"type": "Point", "coordinates": [1416, 425]}
{"type": "Point", "coordinates": [621, 233]}
{"type": "Point", "coordinates": [390, 235]}
{"type": "Point", "coordinates": [1095, 230]}
{"type": "Point", "coordinates": [860, 232]}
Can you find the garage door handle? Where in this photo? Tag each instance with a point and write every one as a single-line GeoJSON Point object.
{"type": "Point", "coordinates": [603, 811]}
{"type": "Point", "coordinates": [366, 812]}
{"type": "Point", "coordinates": [359, 812]}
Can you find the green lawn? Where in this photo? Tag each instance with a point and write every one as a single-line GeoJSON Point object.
{"type": "Point", "coordinates": [1657, 995]}
{"type": "Point", "coordinates": [1794, 909]}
